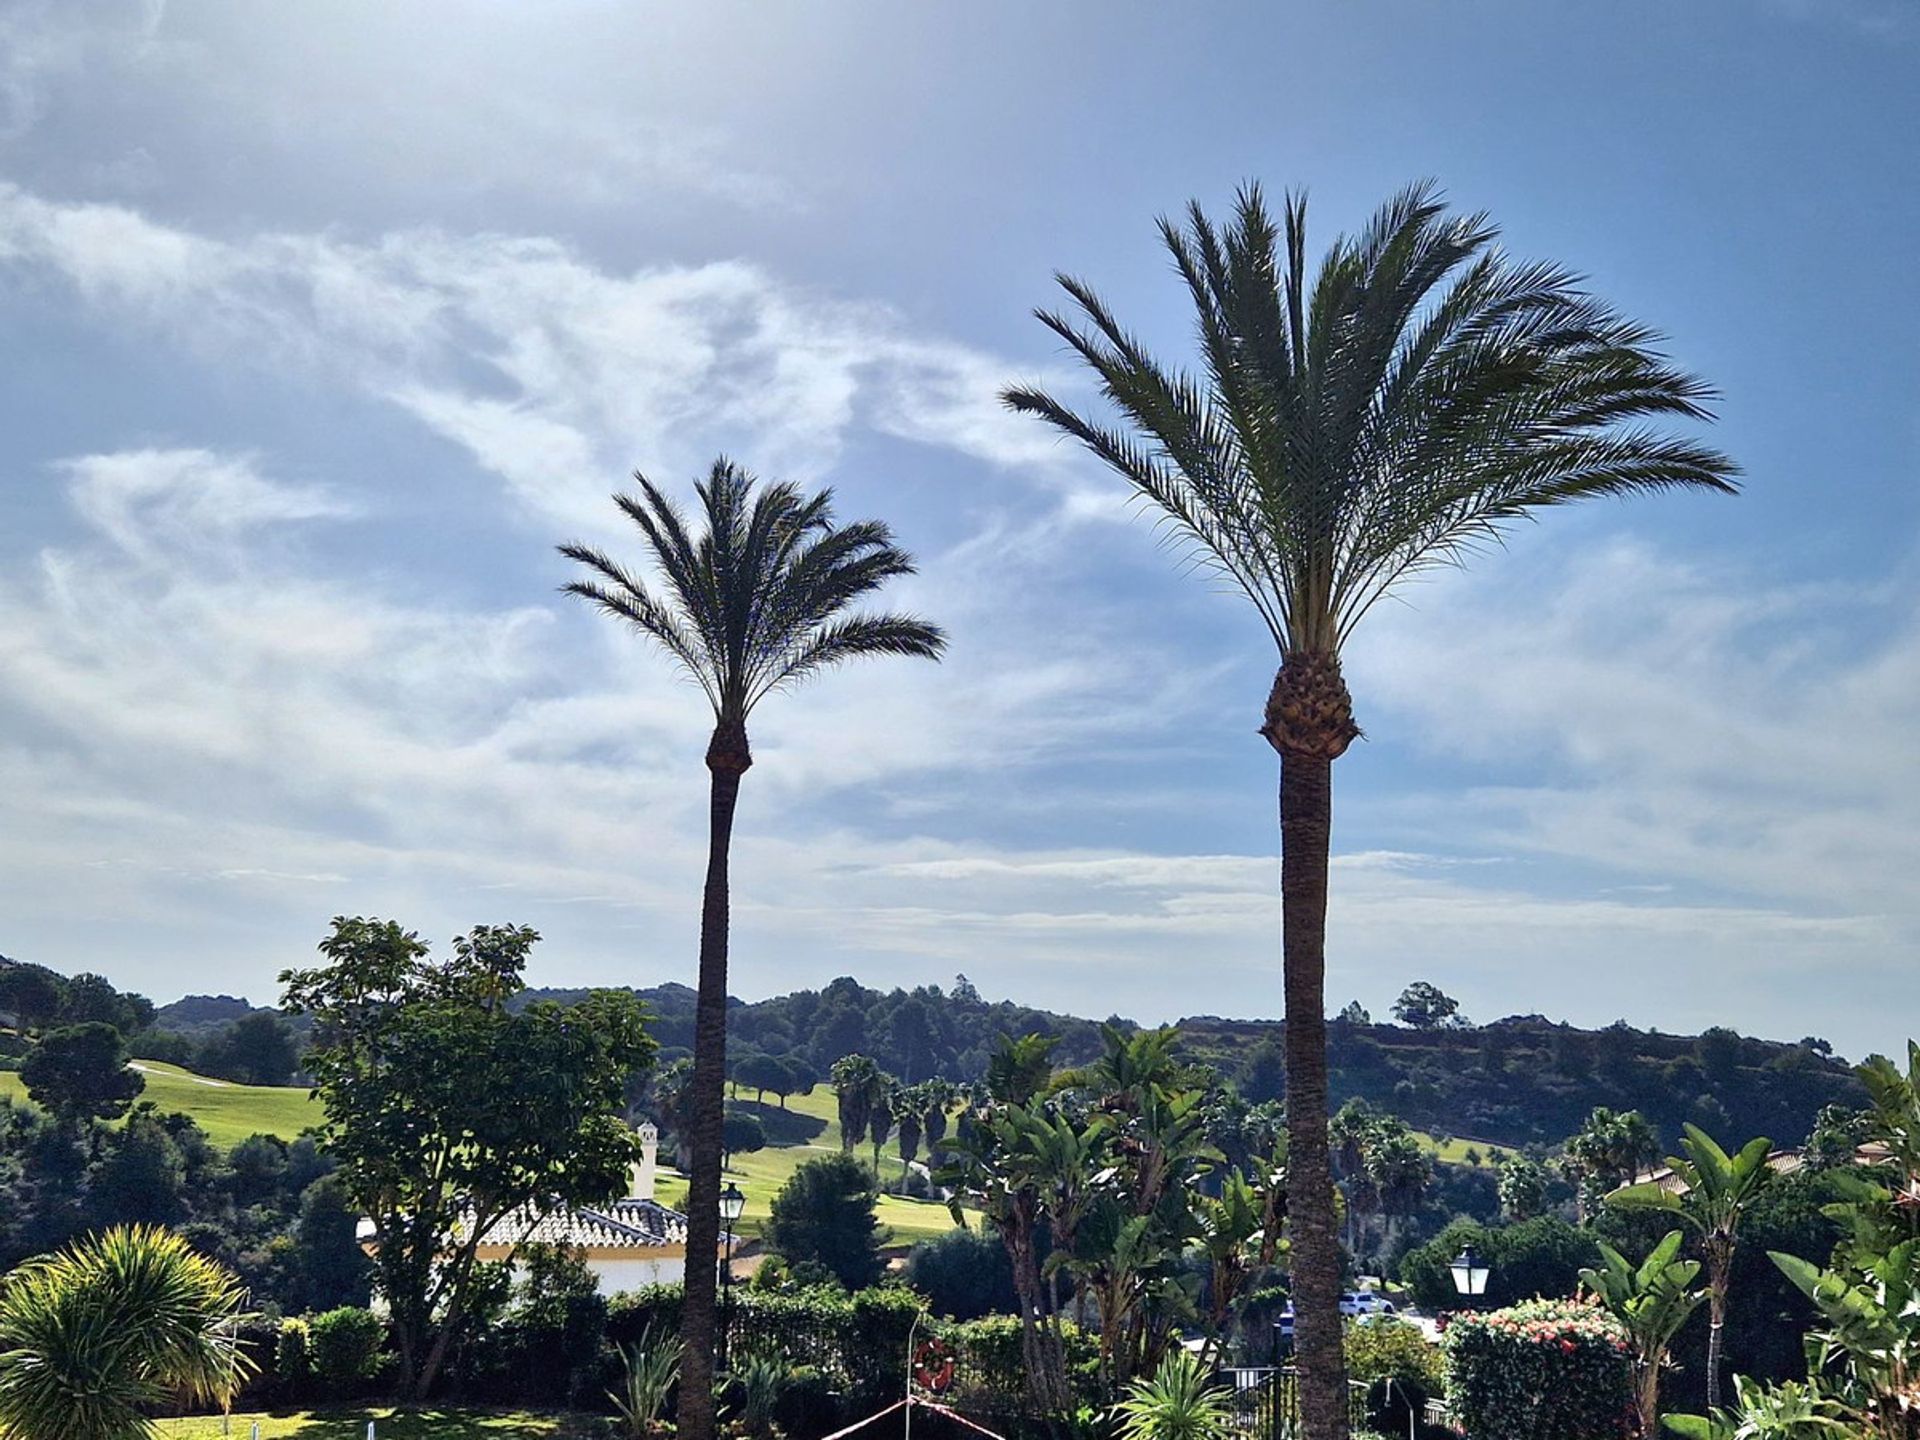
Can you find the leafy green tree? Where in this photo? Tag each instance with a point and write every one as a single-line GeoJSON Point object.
{"type": "Point", "coordinates": [1712, 1191]}
{"type": "Point", "coordinates": [1653, 1299]}
{"type": "Point", "coordinates": [1425, 1006]}
{"type": "Point", "coordinates": [87, 997]}
{"type": "Point", "coordinates": [761, 1073]}
{"type": "Point", "coordinates": [31, 994]}
{"type": "Point", "coordinates": [964, 1275]}
{"type": "Point", "coordinates": [94, 1339]}
{"type": "Point", "coordinates": [1263, 1074]}
{"type": "Point", "coordinates": [332, 1268]}
{"type": "Point", "coordinates": [448, 1111]}
{"type": "Point", "coordinates": [1348, 429]}
{"type": "Point", "coordinates": [825, 1215]}
{"type": "Point", "coordinates": [139, 1174]}
{"type": "Point", "coordinates": [758, 602]}
{"type": "Point", "coordinates": [743, 1133]}
{"type": "Point", "coordinates": [257, 1049]}
{"type": "Point", "coordinates": [799, 1078]}
{"type": "Point", "coordinates": [80, 1073]}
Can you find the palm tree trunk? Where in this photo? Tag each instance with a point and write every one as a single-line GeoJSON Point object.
{"type": "Point", "coordinates": [1306, 822]}
{"type": "Point", "coordinates": [727, 759]}
{"type": "Point", "coordinates": [1717, 1320]}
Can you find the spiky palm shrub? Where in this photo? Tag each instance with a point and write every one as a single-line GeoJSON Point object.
{"type": "Point", "coordinates": [650, 1368]}
{"type": "Point", "coordinates": [1393, 410]}
{"type": "Point", "coordinates": [759, 600]}
{"type": "Point", "coordinates": [1177, 1402]}
{"type": "Point", "coordinates": [94, 1337]}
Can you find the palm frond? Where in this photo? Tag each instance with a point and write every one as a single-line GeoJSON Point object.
{"type": "Point", "coordinates": [756, 596]}
{"type": "Point", "coordinates": [1405, 402]}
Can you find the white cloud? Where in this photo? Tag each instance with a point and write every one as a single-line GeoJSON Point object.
{"type": "Point", "coordinates": [554, 374]}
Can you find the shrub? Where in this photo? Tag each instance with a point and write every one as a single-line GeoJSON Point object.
{"type": "Point", "coordinates": [1539, 1257]}
{"type": "Point", "coordinates": [825, 1214]}
{"type": "Point", "coordinates": [649, 1370]}
{"type": "Point", "coordinates": [991, 1370]}
{"type": "Point", "coordinates": [964, 1274]}
{"type": "Point", "coordinates": [1177, 1402]}
{"type": "Point", "coordinates": [1401, 1369]}
{"type": "Point", "coordinates": [880, 1322]}
{"type": "Point", "coordinates": [1540, 1370]}
{"type": "Point", "coordinates": [345, 1345]}
{"type": "Point", "coordinates": [293, 1358]}
{"type": "Point", "coordinates": [807, 1405]}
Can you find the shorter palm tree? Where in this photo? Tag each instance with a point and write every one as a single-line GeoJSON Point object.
{"type": "Point", "coordinates": [1654, 1300]}
{"type": "Point", "coordinates": [95, 1337]}
{"type": "Point", "coordinates": [1711, 1191]}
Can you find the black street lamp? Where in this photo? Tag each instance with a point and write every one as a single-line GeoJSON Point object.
{"type": "Point", "coordinates": [732, 1203]}
{"type": "Point", "coordinates": [1470, 1273]}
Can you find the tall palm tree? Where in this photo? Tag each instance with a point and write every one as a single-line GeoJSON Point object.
{"type": "Point", "coordinates": [92, 1339]}
{"type": "Point", "coordinates": [1390, 412]}
{"type": "Point", "coordinates": [758, 602]}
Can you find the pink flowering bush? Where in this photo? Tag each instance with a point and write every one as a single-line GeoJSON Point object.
{"type": "Point", "coordinates": [1540, 1370]}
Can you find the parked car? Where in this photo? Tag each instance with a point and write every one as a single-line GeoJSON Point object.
{"type": "Point", "coordinates": [1362, 1305]}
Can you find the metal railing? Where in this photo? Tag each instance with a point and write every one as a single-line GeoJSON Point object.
{"type": "Point", "coordinates": [1267, 1400]}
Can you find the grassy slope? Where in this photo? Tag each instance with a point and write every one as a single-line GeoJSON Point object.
{"type": "Point", "coordinates": [762, 1173]}
{"type": "Point", "coordinates": [388, 1425]}
{"type": "Point", "coordinates": [228, 1113]}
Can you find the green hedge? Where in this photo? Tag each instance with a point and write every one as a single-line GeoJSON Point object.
{"type": "Point", "coordinates": [1540, 1370]}
{"type": "Point", "coordinates": [345, 1346]}
{"type": "Point", "coordinates": [1401, 1369]}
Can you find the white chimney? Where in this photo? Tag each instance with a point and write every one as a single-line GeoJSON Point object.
{"type": "Point", "coordinates": [643, 1169]}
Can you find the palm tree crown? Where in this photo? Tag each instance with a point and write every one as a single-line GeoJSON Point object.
{"type": "Point", "coordinates": [1402, 404]}
{"type": "Point", "coordinates": [758, 600]}
{"type": "Point", "coordinates": [95, 1337]}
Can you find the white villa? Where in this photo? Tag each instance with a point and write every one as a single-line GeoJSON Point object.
{"type": "Point", "coordinates": [633, 1241]}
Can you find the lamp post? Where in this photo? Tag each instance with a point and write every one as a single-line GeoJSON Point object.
{"type": "Point", "coordinates": [732, 1203]}
{"type": "Point", "coordinates": [1470, 1273]}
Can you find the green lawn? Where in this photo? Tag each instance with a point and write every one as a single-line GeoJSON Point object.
{"type": "Point", "coordinates": [388, 1425]}
{"type": "Point", "coordinates": [1454, 1152]}
{"type": "Point", "coordinates": [762, 1173]}
{"type": "Point", "coordinates": [228, 1113]}
{"type": "Point", "coordinates": [810, 1126]}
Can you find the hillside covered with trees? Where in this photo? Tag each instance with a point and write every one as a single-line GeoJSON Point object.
{"type": "Point", "coordinates": [1523, 1080]}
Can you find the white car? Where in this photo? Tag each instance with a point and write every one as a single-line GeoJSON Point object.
{"type": "Point", "coordinates": [1362, 1305]}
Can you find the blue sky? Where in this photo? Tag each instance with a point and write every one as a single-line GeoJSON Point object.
{"type": "Point", "coordinates": [327, 322]}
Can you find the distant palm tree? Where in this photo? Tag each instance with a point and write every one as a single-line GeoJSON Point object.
{"type": "Point", "coordinates": [1390, 412]}
{"type": "Point", "coordinates": [857, 1083]}
{"type": "Point", "coordinates": [94, 1338]}
{"type": "Point", "coordinates": [758, 602]}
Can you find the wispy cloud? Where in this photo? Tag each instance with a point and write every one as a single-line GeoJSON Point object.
{"type": "Point", "coordinates": [553, 373]}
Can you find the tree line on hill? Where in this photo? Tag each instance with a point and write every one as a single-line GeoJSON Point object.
{"type": "Point", "coordinates": [1523, 1080]}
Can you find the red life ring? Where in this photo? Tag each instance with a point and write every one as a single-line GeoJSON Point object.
{"type": "Point", "coordinates": [933, 1366]}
